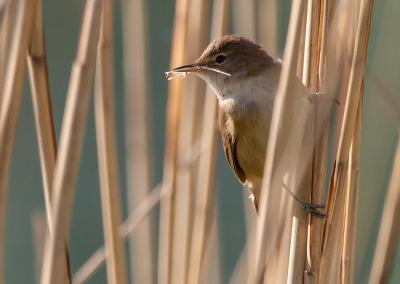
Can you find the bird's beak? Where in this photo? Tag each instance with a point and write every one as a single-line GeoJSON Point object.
{"type": "Point", "coordinates": [182, 71]}
{"type": "Point", "coordinates": [192, 68]}
{"type": "Point", "coordinates": [187, 68]}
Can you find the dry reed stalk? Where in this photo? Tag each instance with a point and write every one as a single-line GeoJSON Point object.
{"type": "Point", "coordinates": [389, 231]}
{"type": "Point", "coordinates": [301, 181]}
{"type": "Point", "coordinates": [189, 129]}
{"type": "Point", "coordinates": [269, 25]}
{"type": "Point", "coordinates": [302, 46]}
{"type": "Point", "coordinates": [333, 235]}
{"type": "Point", "coordinates": [350, 220]}
{"type": "Point", "coordinates": [7, 22]}
{"type": "Point", "coordinates": [244, 24]}
{"type": "Point", "coordinates": [126, 229]}
{"type": "Point", "coordinates": [175, 92]}
{"type": "Point", "coordinates": [107, 149]}
{"type": "Point", "coordinates": [138, 138]}
{"type": "Point", "coordinates": [311, 145]}
{"type": "Point", "coordinates": [71, 140]}
{"type": "Point", "coordinates": [3, 5]}
{"type": "Point", "coordinates": [205, 198]}
{"type": "Point", "coordinates": [327, 9]}
{"type": "Point", "coordinates": [90, 266]}
{"type": "Point", "coordinates": [243, 13]}
{"type": "Point", "coordinates": [38, 75]}
{"type": "Point", "coordinates": [266, 239]}
{"type": "Point", "coordinates": [310, 74]}
{"type": "Point", "coordinates": [10, 103]}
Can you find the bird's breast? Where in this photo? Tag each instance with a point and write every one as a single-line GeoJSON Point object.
{"type": "Point", "coordinates": [252, 137]}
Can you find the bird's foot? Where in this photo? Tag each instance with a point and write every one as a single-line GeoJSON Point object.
{"type": "Point", "coordinates": [309, 207]}
{"type": "Point", "coordinates": [322, 97]}
{"type": "Point", "coordinates": [312, 208]}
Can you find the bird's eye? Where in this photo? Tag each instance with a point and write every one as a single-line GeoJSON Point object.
{"type": "Point", "coordinates": [220, 59]}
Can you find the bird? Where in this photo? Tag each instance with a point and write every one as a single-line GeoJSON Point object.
{"type": "Point", "coordinates": [244, 78]}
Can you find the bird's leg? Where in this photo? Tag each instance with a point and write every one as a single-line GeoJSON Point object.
{"type": "Point", "coordinates": [309, 207]}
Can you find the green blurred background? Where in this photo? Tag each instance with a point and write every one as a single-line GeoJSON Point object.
{"type": "Point", "coordinates": [62, 24]}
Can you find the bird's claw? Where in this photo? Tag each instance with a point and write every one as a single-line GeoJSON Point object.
{"type": "Point", "coordinates": [309, 207]}
{"type": "Point", "coordinates": [312, 209]}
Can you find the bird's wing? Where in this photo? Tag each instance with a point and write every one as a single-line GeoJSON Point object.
{"type": "Point", "coordinates": [229, 141]}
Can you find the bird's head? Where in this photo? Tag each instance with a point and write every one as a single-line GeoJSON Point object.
{"type": "Point", "coordinates": [228, 59]}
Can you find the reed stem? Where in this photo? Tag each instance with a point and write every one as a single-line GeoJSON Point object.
{"type": "Point", "coordinates": [107, 149]}
{"type": "Point", "coordinates": [10, 104]}
{"type": "Point", "coordinates": [71, 141]}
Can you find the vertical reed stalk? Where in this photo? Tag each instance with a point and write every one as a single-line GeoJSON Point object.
{"type": "Point", "coordinates": [71, 141]}
{"type": "Point", "coordinates": [3, 4]}
{"type": "Point", "coordinates": [138, 138]}
{"type": "Point", "coordinates": [10, 104]}
{"type": "Point", "coordinates": [38, 75]}
{"type": "Point", "coordinates": [7, 22]}
{"type": "Point", "coordinates": [310, 60]}
{"type": "Point", "coordinates": [350, 220]}
{"type": "Point", "coordinates": [316, 181]}
{"type": "Point", "coordinates": [189, 129]}
{"type": "Point", "coordinates": [265, 241]}
{"type": "Point", "coordinates": [269, 25]}
{"type": "Point", "coordinates": [126, 229]}
{"type": "Point", "coordinates": [205, 198]}
{"type": "Point", "coordinates": [244, 19]}
{"type": "Point", "coordinates": [244, 24]}
{"type": "Point", "coordinates": [171, 145]}
{"type": "Point", "coordinates": [389, 231]}
{"type": "Point", "coordinates": [107, 149]}
{"type": "Point", "coordinates": [334, 230]}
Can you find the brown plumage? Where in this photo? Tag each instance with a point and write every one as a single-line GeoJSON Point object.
{"type": "Point", "coordinates": [244, 78]}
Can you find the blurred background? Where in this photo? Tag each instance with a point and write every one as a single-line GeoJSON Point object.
{"type": "Point", "coordinates": [62, 21]}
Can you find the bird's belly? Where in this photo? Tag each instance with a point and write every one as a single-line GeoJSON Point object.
{"type": "Point", "coordinates": [251, 152]}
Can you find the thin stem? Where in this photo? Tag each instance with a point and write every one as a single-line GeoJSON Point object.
{"type": "Point", "coordinates": [107, 149]}
{"type": "Point", "coordinates": [71, 140]}
{"type": "Point", "coordinates": [11, 101]}
{"type": "Point", "coordinates": [138, 138]}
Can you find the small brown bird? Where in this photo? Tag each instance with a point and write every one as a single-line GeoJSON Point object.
{"type": "Point", "coordinates": [245, 79]}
